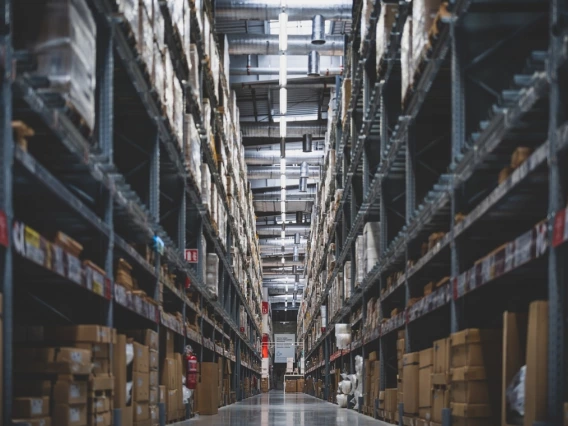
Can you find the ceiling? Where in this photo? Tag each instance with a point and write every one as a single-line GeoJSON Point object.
{"type": "Point", "coordinates": [255, 79]}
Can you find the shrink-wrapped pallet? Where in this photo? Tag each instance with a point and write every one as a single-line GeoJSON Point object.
{"type": "Point", "coordinates": [212, 277]}
{"type": "Point", "coordinates": [359, 260]}
{"type": "Point", "coordinates": [169, 86]}
{"type": "Point", "coordinates": [365, 21]}
{"type": "Point", "coordinates": [194, 69]}
{"type": "Point", "coordinates": [193, 150]}
{"type": "Point", "coordinates": [347, 280]}
{"type": "Point", "coordinates": [206, 35]}
{"type": "Point", "coordinates": [159, 73]}
{"type": "Point", "coordinates": [179, 111]}
{"type": "Point", "coordinates": [158, 26]}
{"type": "Point", "coordinates": [345, 97]}
{"type": "Point", "coordinates": [206, 186]}
{"type": "Point", "coordinates": [129, 9]}
{"type": "Point", "coordinates": [423, 15]}
{"type": "Point", "coordinates": [145, 37]}
{"type": "Point", "coordinates": [371, 232]}
{"type": "Point", "coordinates": [65, 53]}
{"type": "Point", "coordinates": [384, 27]}
{"type": "Point", "coordinates": [406, 59]}
{"type": "Point", "coordinates": [215, 66]}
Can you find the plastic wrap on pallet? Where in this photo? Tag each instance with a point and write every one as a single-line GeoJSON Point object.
{"type": "Point", "coordinates": [179, 111]}
{"type": "Point", "coordinates": [206, 186]}
{"type": "Point", "coordinates": [406, 58]}
{"type": "Point", "coordinates": [215, 65]}
{"type": "Point", "coordinates": [145, 38]}
{"type": "Point", "coordinates": [365, 21]}
{"type": "Point", "coordinates": [129, 10]}
{"type": "Point", "coordinates": [371, 232]}
{"type": "Point", "coordinates": [423, 15]}
{"type": "Point", "coordinates": [347, 280]}
{"type": "Point", "coordinates": [212, 277]}
{"type": "Point", "coordinates": [345, 97]}
{"type": "Point", "coordinates": [193, 149]}
{"type": "Point", "coordinates": [159, 72]}
{"type": "Point", "coordinates": [65, 50]}
{"type": "Point", "coordinates": [386, 20]}
{"type": "Point", "coordinates": [214, 199]}
{"type": "Point", "coordinates": [158, 26]}
{"type": "Point", "coordinates": [359, 260]}
{"type": "Point", "coordinates": [206, 35]}
{"type": "Point", "coordinates": [194, 69]}
{"type": "Point", "coordinates": [168, 99]}
{"type": "Point", "coordinates": [207, 115]}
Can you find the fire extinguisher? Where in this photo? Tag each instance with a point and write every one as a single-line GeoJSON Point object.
{"type": "Point", "coordinates": [191, 366]}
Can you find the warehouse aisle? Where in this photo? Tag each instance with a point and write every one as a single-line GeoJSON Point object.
{"type": "Point", "coordinates": [278, 409]}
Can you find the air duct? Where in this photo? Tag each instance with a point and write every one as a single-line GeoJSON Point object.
{"type": "Point", "coordinates": [290, 71]}
{"type": "Point", "coordinates": [268, 10]}
{"type": "Point", "coordinates": [296, 256]}
{"type": "Point", "coordinates": [277, 263]}
{"type": "Point", "coordinates": [304, 174]}
{"type": "Point", "coordinates": [313, 64]}
{"type": "Point", "coordinates": [318, 30]}
{"type": "Point", "coordinates": [299, 218]}
{"type": "Point", "coordinates": [307, 143]}
{"type": "Point", "coordinates": [297, 238]}
{"type": "Point", "coordinates": [268, 44]}
{"type": "Point", "coordinates": [275, 230]}
{"type": "Point", "coordinates": [260, 158]}
{"type": "Point", "coordinates": [293, 129]}
{"type": "Point", "coordinates": [282, 151]}
{"type": "Point", "coordinates": [264, 172]}
{"type": "Point", "coordinates": [277, 242]}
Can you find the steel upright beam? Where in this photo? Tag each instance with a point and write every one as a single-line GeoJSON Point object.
{"type": "Point", "coordinates": [326, 357]}
{"type": "Point", "coordinates": [458, 141]}
{"type": "Point", "coordinates": [410, 207]}
{"type": "Point", "coordinates": [154, 184]}
{"type": "Point", "coordinates": [6, 201]}
{"type": "Point", "coordinates": [557, 294]}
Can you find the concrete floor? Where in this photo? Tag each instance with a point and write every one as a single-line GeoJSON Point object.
{"type": "Point", "coordinates": [278, 409]}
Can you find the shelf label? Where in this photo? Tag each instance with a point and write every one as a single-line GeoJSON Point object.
{"type": "Point", "coordinates": [191, 255]}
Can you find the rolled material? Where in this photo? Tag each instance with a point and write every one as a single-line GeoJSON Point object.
{"type": "Point", "coordinates": [359, 260]}
{"type": "Point", "coordinates": [212, 274]}
{"type": "Point", "coordinates": [371, 233]}
{"type": "Point", "coordinates": [347, 280]}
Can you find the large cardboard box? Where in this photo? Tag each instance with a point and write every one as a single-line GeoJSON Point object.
{"type": "Point", "coordinates": [425, 383]}
{"type": "Point", "coordinates": [141, 361]}
{"type": "Point", "coordinates": [536, 380]}
{"type": "Point", "coordinates": [43, 421]}
{"type": "Point", "coordinates": [391, 396]}
{"type": "Point", "coordinates": [291, 386]}
{"type": "Point", "coordinates": [476, 348]}
{"type": "Point", "coordinates": [100, 419]}
{"type": "Point", "coordinates": [154, 360]}
{"type": "Point", "coordinates": [441, 361]}
{"type": "Point", "coordinates": [68, 391]}
{"type": "Point", "coordinates": [141, 411]}
{"type": "Point", "coordinates": [169, 374]}
{"type": "Point", "coordinates": [79, 333]}
{"type": "Point", "coordinates": [99, 350]}
{"type": "Point", "coordinates": [99, 404]}
{"type": "Point", "coordinates": [171, 404]}
{"type": "Point", "coordinates": [61, 360]}
{"type": "Point", "coordinates": [24, 408]}
{"type": "Point", "coordinates": [411, 366]}
{"type": "Point", "coordinates": [127, 416]}
{"type": "Point", "coordinates": [167, 342]}
{"type": "Point", "coordinates": [471, 411]}
{"type": "Point", "coordinates": [145, 337]}
{"type": "Point", "coordinates": [207, 389]}
{"type": "Point", "coordinates": [140, 387]}
{"type": "Point", "coordinates": [70, 415]}
{"type": "Point", "coordinates": [440, 400]}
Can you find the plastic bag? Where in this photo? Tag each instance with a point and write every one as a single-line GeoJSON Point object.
{"type": "Point", "coordinates": [129, 353]}
{"type": "Point", "coordinates": [342, 401]}
{"type": "Point", "coordinates": [187, 394]}
{"type": "Point", "coordinates": [516, 393]}
{"type": "Point", "coordinates": [128, 391]}
{"type": "Point", "coordinates": [345, 386]}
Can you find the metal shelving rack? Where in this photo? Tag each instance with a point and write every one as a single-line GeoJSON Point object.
{"type": "Point", "coordinates": [413, 194]}
{"type": "Point", "coordinates": [84, 185]}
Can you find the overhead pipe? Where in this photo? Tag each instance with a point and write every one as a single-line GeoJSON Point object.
{"type": "Point", "coordinates": [270, 263]}
{"type": "Point", "coordinates": [290, 71]}
{"type": "Point", "coordinates": [268, 10]}
{"type": "Point", "coordinates": [318, 30]}
{"type": "Point", "coordinates": [304, 174]}
{"type": "Point", "coordinates": [275, 230]}
{"type": "Point", "coordinates": [259, 158]}
{"type": "Point", "coordinates": [268, 44]}
{"type": "Point", "coordinates": [278, 242]}
{"type": "Point", "coordinates": [306, 143]}
{"type": "Point", "coordinates": [293, 129]}
{"type": "Point", "coordinates": [292, 172]}
{"type": "Point", "coordinates": [313, 64]}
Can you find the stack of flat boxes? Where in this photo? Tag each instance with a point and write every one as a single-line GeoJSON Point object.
{"type": "Point", "coordinates": [425, 386]}
{"type": "Point", "coordinates": [476, 364]}
{"type": "Point", "coordinates": [207, 389]}
{"type": "Point", "coordinates": [374, 383]}
{"type": "Point", "coordinates": [171, 377]}
{"type": "Point", "coordinates": [440, 380]}
{"type": "Point", "coordinates": [411, 367]}
{"type": "Point", "coordinates": [141, 385]}
{"type": "Point", "coordinates": [400, 348]}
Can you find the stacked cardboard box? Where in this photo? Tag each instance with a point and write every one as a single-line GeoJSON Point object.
{"type": "Point", "coordinates": [411, 366]}
{"type": "Point", "coordinates": [400, 348]}
{"type": "Point", "coordinates": [391, 404]}
{"type": "Point", "coordinates": [374, 384]}
{"type": "Point", "coordinates": [475, 358]}
{"type": "Point", "coordinates": [384, 26]}
{"type": "Point", "coordinates": [440, 379]}
{"type": "Point", "coordinates": [425, 384]}
{"type": "Point", "coordinates": [207, 392]}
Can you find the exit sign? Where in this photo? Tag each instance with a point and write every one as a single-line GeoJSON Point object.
{"type": "Point", "coordinates": [191, 255]}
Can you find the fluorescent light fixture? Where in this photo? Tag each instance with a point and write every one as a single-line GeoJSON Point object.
{"type": "Point", "coordinates": [283, 181]}
{"type": "Point", "coordinates": [283, 235]}
{"type": "Point", "coordinates": [285, 309]}
{"type": "Point", "coordinates": [282, 166]}
{"type": "Point", "coordinates": [283, 217]}
{"type": "Point", "coordinates": [283, 127]}
{"type": "Point", "coordinates": [283, 259]}
{"type": "Point", "coordinates": [283, 206]}
{"type": "Point", "coordinates": [283, 71]}
{"type": "Point", "coordinates": [286, 288]}
{"type": "Point", "coordinates": [283, 33]}
{"type": "Point", "coordinates": [283, 102]}
{"type": "Point", "coordinates": [283, 194]}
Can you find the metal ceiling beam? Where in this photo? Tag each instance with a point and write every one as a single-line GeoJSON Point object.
{"type": "Point", "coordinates": [268, 44]}
{"type": "Point", "coordinates": [268, 172]}
{"type": "Point", "coordinates": [298, 129]}
{"type": "Point", "coordinates": [291, 71]}
{"type": "Point", "coordinates": [268, 10]}
{"type": "Point", "coordinates": [266, 157]}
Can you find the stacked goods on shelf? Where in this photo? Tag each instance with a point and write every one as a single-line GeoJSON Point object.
{"type": "Point", "coordinates": [192, 150]}
{"type": "Point", "coordinates": [391, 404]}
{"type": "Point", "coordinates": [426, 367]}
{"type": "Point", "coordinates": [519, 156]}
{"type": "Point", "coordinates": [386, 20]}
{"type": "Point", "coordinates": [440, 378]}
{"type": "Point", "coordinates": [406, 59]}
{"type": "Point", "coordinates": [345, 98]}
{"type": "Point", "coordinates": [371, 234]}
{"type": "Point", "coordinates": [347, 280]}
{"type": "Point", "coordinates": [359, 260]}
{"type": "Point", "coordinates": [365, 21]}
{"type": "Point", "coordinates": [171, 375]}
{"type": "Point", "coordinates": [212, 272]}
{"type": "Point", "coordinates": [410, 383]}
{"type": "Point", "coordinates": [475, 359]}
{"type": "Point", "coordinates": [423, 15]}
{"type": "Point", "coordinates": [207, 392]}
{"type": "Point", "coordinates": [63, 50]}
{"type": "Point", "coordinates": [65, 373]}
{"type": "Point", "coordinates": [400, 350]}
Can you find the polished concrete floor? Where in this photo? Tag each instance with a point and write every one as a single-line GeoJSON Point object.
{"type": "Point", "coordinates": [279, 409]}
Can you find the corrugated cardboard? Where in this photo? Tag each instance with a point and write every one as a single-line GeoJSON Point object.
{"type": "Point", "coordinates": [425, 384]}
{"type": "Point", "coordinates": [162, 394]}
{"type": "Point", "coordinates": [101, 366]}
{"type": "Point", "coordinates": [79, 333]}
{"type": "Point", "coordinates": [167, 342]}
{"type": "Point", "coordinates": [475, 347]}
{"type": "Point", "coordinates": [44, 421]}
{"type": "Point", "coordinates": [61, 360]}
{"type": "Point", "coordinates": [207, 389]}
{"type": "Point", "coordinates": [441, 356]}
{"type": "Point", "coordinates": [68, 391]}
{"type": "Point", "coordinates": [70, 415]}
{"type": "Point", "coordinates": [141, 361]}
{"type": "Point", "coordinates": [391, 396]}
{"type": "Point", "coordinates": [127, 416]}
{"type": "Point", "coordinates": [171, 404]}
{"type": "Point", "coordinates": [100, 419]}
{"type": "Point", "coordinates": [470, 392]}
{"type": "Point", "coordinates": [536, 382]}
{"type": "Point", "coordinates": [100, 383]}
{"type": "Point", "coordinates": [141, 411]}
{"type": "Point", "coordinates": [154, 396]}
{"type": "Point", "coordinates": [168, 374]}
{"type": "Point", "coordinates": [470, 411]}
{"type": "Point", "coordinates": [24, 408]}
{"type": "Point", "coordinates": [99, 350]}
{"type": "Point", "coordinates": [291, 386]}
{"type": "Point", "coordinates": [145, 337]}
{"type": "Point", "coordinates": [154, 382]}
{"type": "Point", "coordinates": [410, 382]}
{"type": "Point", "coordinates": [141, 387]}
{"type": "Point", "coordinates": [440, 400]}
{"type": "Point", "coordinates": [154, 360]}
{"type": "Point", "coordinates": [99, 404]}
{"type": "Point", "coordinates": [143, 423]}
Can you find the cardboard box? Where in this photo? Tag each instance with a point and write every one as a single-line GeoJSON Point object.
{"type": "Point", "coordinates": [470, 411]}
{"type": "Point", "coordinates": [99, 404]}
{"type": "Point", "coordinates": [141, 411]}
{"type": "Point", "coordinates": [514, 357]}
{"type": "Point", "coordinates": [61, 360]}
{"type": "Point", "coordinates": [70, 415]}
{"type": "Point", "coordinates": [154, 382]}
{"type": "Point", "coordinates": [154, 414]}
{"type": "Point", "coordinates": [425, 383]}
{"type": "Point", "coordinates": [440, 400]}
{"type": "Point", "coordinates": [70, 392]}
{"type": "Point", "coordinates": [154, 396]}
{"type": "Point", "coordinates": [536, 382]}
{"type": "Point", "coordinates": [475, 347]}
{"type": "Point", "coordinates": [140, 387]}
{"type": "Point", "coordinates": [207, 389]}
{"type": "Point", "coordinates": [141, 361]}
{"type": "Point", "coordinates": [127, 415]}
{"type": "Point", "coordinates": [171, 403]}
{"type": "Point", "coordinates": [79, 333]}
{"type": "Point", "coordinates": [43, 421]}
{"type": "Point", "coordinates": [100, 419]}
{"type": "Point", "coordinates": [373, 356]}
{"type": "Point", "coordinates": [411, 366]}
{"type": "Point", "coordinates": [101, 383]}
{"type": "Point", "coordinates": [441, 360]}
{"type": "Point", "coordinates": [168, 374]}
{"type": "Point", "coordinates": [25, 408]}
{"type": "Point", "coordinates": [143, 423]}
{"type": "Point", "coordinates": [32, 387]}
{"type": "Point", "coordinates": [161, 394]}
{"type": "Point", "coordinates": [391, 396]}
{"type": "Point", "coordinates": [119, 371]}
{"type": "Point", "coordinates": [145, 337]}
{"type": "Point", "coordinates": [167, 342]}
{"type": "Point", "coordinates": [470, 392]}
{"type": "Point", "coordinates": [154, 360]}
{"type": "Point", "coordinates": [101, 366]}
{"type": "Point", "coordinates": [291, 386]}
{"type": "Point", "coordinates": [98, 350]}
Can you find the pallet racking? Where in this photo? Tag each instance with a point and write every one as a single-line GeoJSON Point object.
{"type": "Point", "coordinates": [500, 239]}
{"type": "Point", "coordinates": [126, 183]}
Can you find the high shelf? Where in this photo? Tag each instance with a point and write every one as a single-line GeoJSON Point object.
{"type": "Point", "coordinates": [432, 168]}
{"type": "Point", "coordinates": [122, 189]}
